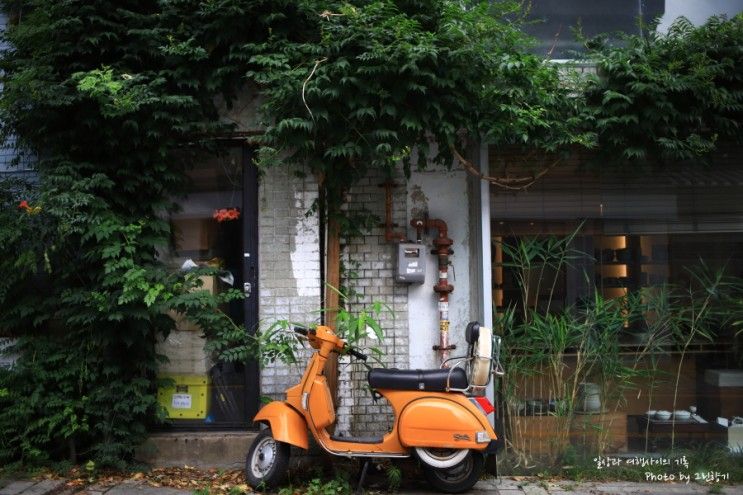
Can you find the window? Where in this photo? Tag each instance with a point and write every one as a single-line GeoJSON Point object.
{"type": "Point", "coordinates": [637, 230]}
{"type": "Point", "coordinates": [552, 21]}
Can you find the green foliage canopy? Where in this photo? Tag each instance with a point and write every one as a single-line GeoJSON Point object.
{"type": "Point", "coordinates": [667, 97]}
{"type": "Point", "coordinates": [115, 100]}
{"type": "Point", "coordinates": [380, 79]}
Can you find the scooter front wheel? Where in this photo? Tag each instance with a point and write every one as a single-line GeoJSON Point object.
{"type": "Point", "coordinates": [458, 478]}
{"type": "Point", "coordinates": [267, 461]}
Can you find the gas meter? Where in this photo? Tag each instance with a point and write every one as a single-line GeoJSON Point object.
{"type": "Point", "coordinates": [411, 263]}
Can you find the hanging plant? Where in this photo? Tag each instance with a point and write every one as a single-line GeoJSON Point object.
{"type": "Point", "coordinates": [226, 214]}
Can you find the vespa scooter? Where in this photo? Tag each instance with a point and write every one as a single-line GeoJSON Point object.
{"type": "Point", "coordinates": [433, 417]}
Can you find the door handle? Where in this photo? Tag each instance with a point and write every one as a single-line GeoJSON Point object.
{"type": "Point", "coordinates": [247, 289]}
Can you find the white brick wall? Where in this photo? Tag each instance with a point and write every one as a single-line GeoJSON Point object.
{"type": "Point", "coordinates": [290, 284]}
{"type": "Point", "coordinates": [289, 260]}
{"type": "Point", "coordinates": [373, 260]}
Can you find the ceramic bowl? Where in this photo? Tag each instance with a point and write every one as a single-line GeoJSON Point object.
{"type": "Point", "coordinates": [663, 415]}
{"type": "Point", "coordinates": [681, 414]}
{"type": "Point", "coordinates": [651, 413]}
{"type": "Point", "coordinates": [536, 407]}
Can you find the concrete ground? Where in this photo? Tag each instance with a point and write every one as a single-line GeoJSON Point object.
{"type": "Point", "coordinates": [502, 486]}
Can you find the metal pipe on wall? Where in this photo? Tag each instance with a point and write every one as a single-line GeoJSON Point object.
{"type": "Point", "coordinates": [442, 249]}
{"type": "Point", "coordinates": [389, 234]}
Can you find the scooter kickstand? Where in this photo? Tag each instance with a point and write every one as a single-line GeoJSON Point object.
{"type": "Point", "coordinates": [362, 477]}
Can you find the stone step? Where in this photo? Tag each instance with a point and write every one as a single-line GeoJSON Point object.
{"type": "Point", "coordinates": [225, 450]}
{"type": "Point", "coordinates": [43, 487]}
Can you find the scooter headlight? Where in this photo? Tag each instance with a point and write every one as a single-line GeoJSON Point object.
{"type": "Point", "coordinates": [482, 437]}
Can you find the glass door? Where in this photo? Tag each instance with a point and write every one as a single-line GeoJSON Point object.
{"type": "Point", "coordinates": [216, 226]}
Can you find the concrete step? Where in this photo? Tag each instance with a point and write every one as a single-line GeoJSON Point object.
{"type": "Point", "coordinates": [225, 450]}
{"type": "Point", "coordinates": [43, 487]}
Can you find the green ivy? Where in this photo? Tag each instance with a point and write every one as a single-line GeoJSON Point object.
{"type": "Point", "coordinates": [386, 81]}
{"type": "Point", "coordinates": [668, 97]}
{"type": "Point", "coordinates": [115, 100]}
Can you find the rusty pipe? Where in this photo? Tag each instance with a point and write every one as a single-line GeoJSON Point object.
{"type": "Point", "coordinates": [442, 249]}
{"type": "Point", "coordinates": [389, 234]}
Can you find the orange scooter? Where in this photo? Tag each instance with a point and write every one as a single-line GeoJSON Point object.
{"type": "Point", "coordinates": [434, 419]}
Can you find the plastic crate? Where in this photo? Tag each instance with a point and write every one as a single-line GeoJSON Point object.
{"type": "Point", "coordinates": [187, 398]}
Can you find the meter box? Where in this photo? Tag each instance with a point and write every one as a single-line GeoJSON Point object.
{"type": "Point", "coordinates": [411, 263]}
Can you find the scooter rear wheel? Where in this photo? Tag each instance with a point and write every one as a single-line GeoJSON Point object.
{"type": "Point", "coordinates": [458, 478]}
{"type": "Point", "coordinates": [267, 461]}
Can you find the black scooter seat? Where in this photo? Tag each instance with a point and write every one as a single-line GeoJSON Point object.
{"type": "Point", "coordinates": [429, 380]}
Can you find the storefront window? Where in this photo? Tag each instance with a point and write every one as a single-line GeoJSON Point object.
{"type": "Point", "coordinates": [633, 232]}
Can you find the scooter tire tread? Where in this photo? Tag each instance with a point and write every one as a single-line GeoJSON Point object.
{"type": "Point", "coordinates": [433, 478]}
{"type": "Point", "coordinates": [276, 476]}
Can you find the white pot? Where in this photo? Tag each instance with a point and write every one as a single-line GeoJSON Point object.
{"type": "Point", "coordinates": [589, 397]}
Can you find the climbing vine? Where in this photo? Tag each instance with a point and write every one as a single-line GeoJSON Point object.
{"type": "Point", "coordinates": [387, 82]}
{"type": "Point", "coordinates": [667, 97]}
{"type": "Point", "coordinates": [114, 100]}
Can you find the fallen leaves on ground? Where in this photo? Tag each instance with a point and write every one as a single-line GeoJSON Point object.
{"type": "Point", "coordinates": [78, 477]}
{"type": "Point", "coordinates": [217, 481]}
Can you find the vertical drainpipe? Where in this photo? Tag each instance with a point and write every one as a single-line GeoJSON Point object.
{"type": "Point", "coordinates": [442, 249]}
{"type": "Point", "coordinates": [389, 234]}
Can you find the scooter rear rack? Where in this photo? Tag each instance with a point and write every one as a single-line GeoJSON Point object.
{"type": "Point", "coordinates": [494, 368]}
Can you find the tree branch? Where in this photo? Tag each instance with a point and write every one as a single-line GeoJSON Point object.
{"type": "Point", "coordinates": [510, 183]}
{"type": "Point", "coordinates": [304, 84]}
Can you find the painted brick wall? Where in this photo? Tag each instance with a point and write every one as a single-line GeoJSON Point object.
{"type": "Point", "coordinates": [290, 285]}
{"type": "Point", "coordinates": [373, 261]}
{"type": "Point", "coordinates": [8, 152]}
{"type": "Point", "coordinates": [289, 260]}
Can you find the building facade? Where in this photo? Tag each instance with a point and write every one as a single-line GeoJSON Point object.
{"type": "Point", "coordinates": [636, 232]}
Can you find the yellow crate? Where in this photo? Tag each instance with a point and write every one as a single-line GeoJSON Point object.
{"type": "Point", "coordinates": [187, 398]}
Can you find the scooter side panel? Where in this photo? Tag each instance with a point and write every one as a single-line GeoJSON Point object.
{"type": "Point", "coordinates": [441, 423]}
{"type": "Point", "coordinates": [321, 404]}
{"type": "Point", "coordinates": [287, 425]}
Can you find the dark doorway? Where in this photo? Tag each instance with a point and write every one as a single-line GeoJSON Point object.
{"type": "Point", "coordinates": [217, 226]}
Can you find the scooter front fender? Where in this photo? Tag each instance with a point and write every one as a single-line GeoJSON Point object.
{"type": "Point", "coordinates": [443, 422]}
{"type": "Point", "coordinates": [287, 425]}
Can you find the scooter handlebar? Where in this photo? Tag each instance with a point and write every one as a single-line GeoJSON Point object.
{"type": "Point", "coordinates": [356, 354]}
{"type": "Point", "coordinates": [301, 331]}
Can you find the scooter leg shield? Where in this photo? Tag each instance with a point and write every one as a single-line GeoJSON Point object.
{"type": "Point", "coordinates": [287, 425]}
